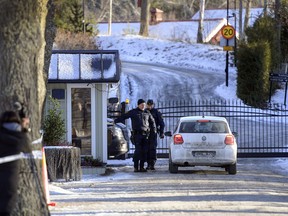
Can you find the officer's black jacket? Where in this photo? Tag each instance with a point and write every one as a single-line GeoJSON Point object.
{"type": "Point", "coordinates": [157, 115]}
{"type": "Point", "coordinates": [142, 121]}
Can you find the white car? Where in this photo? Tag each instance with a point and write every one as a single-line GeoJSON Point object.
{"type": "Point", "coordinates": [203, 141]}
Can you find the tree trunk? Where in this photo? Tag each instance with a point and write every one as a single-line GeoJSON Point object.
{"type": "Point", "coordinates": [247, 15]}
{"type": "Point", "coordinates": [63, 163]}
{"type": "Point", "coordinates": [31, 198]}
{"type": "Point", "coordinates": [201, 21]}
{"type": "Point", "coordinates": [50, 34]}
{"type": "Point", "coordinates": [22, 57]}
{"type": "Point", "coordinates": [241, 36]}
{"type": "Point", "coordinates": [145, 12]}
{"type": "Point", "coordinates": [265, 8]}
{"type": "Point", "coordinates": [278, 29]}
{"type": "Point", "coordinates": [22, 79]}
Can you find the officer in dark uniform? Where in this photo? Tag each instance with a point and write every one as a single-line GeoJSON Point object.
{"type": "Point", "coordinates": [157, 115]}
{"type": "Point", "coordinates": [143, 124]}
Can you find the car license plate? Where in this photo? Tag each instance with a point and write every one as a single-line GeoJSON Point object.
{"type": "Point", "coordinates": [207, 154]}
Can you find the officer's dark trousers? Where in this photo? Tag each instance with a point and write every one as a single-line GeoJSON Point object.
{"type": "Point", "coordinates": [152, 146]}
{"type": "Point", "coordinates": [141, 150]}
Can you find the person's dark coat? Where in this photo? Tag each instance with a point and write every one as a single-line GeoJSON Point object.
{"type": "Point", "coordinates": [143, 124]}
{"type": "Point", "coordinates": [11, 143]}
{"type": "Point", "coordinates": [142, 121]}
{"type": "Point", "coordinates": [157, 115]}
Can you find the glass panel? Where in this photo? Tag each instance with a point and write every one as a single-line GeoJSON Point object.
{"type": "Point", "coordinates": [68, 66]}
{"type": "Point", "coordinates": [82, 66]}
{"type": "Point", "coordinates": [97, 66]}
{"type": "Point", "coordinates": [81, 119]}
{"type": "Point", "coordinates": [53, 67]}
{"type": "Point", "coordinates": [203, 127]}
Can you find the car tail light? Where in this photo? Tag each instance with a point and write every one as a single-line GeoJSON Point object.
{"type": "Point", "coordinates": [229, 139]}
{"type": "Point", "coordinates": [203, 120]}
{"type": "Point", "coordinates": [178, 139]}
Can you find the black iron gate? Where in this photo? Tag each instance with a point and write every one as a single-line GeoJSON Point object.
{"type": "Point", "coordinates": [261, 132]}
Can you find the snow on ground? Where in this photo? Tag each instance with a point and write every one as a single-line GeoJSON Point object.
{"type": "Point", "coordinates": [204, 57]}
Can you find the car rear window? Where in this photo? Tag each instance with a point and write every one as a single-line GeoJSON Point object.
{"type": "Point", "coordinates": [203, 127]}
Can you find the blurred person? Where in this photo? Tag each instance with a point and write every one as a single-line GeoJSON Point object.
{"type": "Point", "coordinates": [152, 140]}
{"type": "Point", "coordinates": [13, 140]}
{"type": "Point", "coordinates": [142, 125]}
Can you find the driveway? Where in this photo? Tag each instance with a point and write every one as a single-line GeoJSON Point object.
{"type": "Point", "coordinates": [166, 83]}
{"type": "Point", "coordinates": [259, 188]}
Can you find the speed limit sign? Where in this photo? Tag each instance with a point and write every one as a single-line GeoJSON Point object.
{"type": "Point", "coordinates": [228, 32]}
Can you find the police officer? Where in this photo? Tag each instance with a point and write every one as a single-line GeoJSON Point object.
{"type": "Point", "coordinates": [152, 141]}
{"type": "Point", "coordinates": [142, 125]}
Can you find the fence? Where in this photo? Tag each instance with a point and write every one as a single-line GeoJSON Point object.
{"type": "Point", "coordinates": [261, 132]}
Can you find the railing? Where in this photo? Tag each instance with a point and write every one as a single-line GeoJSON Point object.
{"type": "Point", "coordinates": [261, 132]}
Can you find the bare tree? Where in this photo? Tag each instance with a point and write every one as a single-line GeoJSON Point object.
{"type": "Point", "coordinates": [241, 36]}
{"type": "Point", "coordinates": [145, 14]}
{"type": "Point", "coordinates": [246, 18]}
{"type": "Point", "coordinates": [247, 14]}
{"type": "Point", "coordinates": [102, 10]}
{"type": "Point", "coordinates": [22, 79]}
{"type": "Point", "coordinates": [265, 7]}
{"type": "Point", "coordinates": [278, 26]}
{"type": "Point", "coordinates": [201, 21]}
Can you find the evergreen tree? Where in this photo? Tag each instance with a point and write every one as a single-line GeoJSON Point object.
{"type": "Point", "coordinates": [69, 15]}
{"type": "Point", "coordinates": [54, 124]}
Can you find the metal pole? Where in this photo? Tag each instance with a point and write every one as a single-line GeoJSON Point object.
{"type": "Point", "coordinates": [270, 91]}
{"type": "Point", "coordinates": [83, 21]}
{"type": "Point", "coordinates": [110, 18]}
{"type": "Point", "coordinates": [235, 37]}
{"type": "Point", "coordinates": [227, 54]}
{"type": "Point", "coordinates": [285, 94]}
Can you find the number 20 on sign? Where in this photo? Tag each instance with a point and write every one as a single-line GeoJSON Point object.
{"type": "Point", "coordinates": [228, 32]}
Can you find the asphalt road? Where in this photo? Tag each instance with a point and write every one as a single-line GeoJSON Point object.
{"type": "Point", "coordinates": [167, 83]}
{"type": "Point", "coordinates": [259, 188]}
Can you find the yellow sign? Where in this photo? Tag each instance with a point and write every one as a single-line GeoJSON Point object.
{"type": "Point", "coordinates": [228, 31]}
{"type": "Point", "coordinates": [228, 48]}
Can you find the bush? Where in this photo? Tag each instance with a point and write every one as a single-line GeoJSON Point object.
{"type": "Point", "coordinates": [264, 30]}
{"type": "Point", "coordinates": [89, 161]}
{"type": "Point", "coordinates": [54, 125]}
{"type": "Point", "coordinates": [66, 40]}
{"type": "Point", "coordinates": [254, 63]}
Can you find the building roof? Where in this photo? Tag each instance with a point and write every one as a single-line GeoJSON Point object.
{"type": "Point", "coordinates": [156, 10]}
{"type": "Point", "coordinates": [84, 66]}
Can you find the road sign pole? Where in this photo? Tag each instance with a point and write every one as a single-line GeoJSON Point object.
{"type": "Point", "coordinates": [228, 32]}
{"type": "Point", "coordinates": [227, 68]}
{"type": "Point", "coordinates": [285, 94]}
{"type": "Point", "coordinates": [270, 91]}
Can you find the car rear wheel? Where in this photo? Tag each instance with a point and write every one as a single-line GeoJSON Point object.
{"type": "Point", "coordinates": [172, 167]}
{"type": "Point", "coordinates": [231, 169]}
